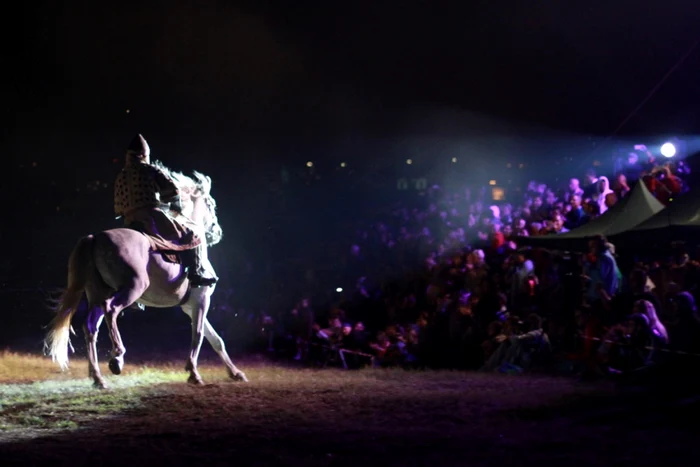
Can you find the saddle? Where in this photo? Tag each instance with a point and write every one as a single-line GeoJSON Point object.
{"type": "Point", "coordinates": [170, 257]}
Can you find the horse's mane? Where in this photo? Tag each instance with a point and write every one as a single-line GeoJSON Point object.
{"type": "Point", "coordinates": [189, 186]}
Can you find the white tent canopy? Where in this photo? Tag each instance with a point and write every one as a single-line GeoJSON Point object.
{"type": "Point", "coordinates": [684, 211]}
{"type": "Point", "coordinates": [680, 221]}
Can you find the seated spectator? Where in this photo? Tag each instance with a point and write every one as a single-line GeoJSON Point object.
{"type": "Point", "coordinates": [633, 348]}
{"type": "Point", "coordinates": [683, 325]}
{"type": "Point", "coordinates": [495, 337]}
{"type": "Point", "coordinates": [656, 327]}
{"type": "Point", "coordinates": [523, 350]}
{"type": "Point", "coordinates": [623, 303]}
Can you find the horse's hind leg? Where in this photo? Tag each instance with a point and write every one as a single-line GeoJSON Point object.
{"type": "Point", "coordinates": [116, 363]}
{"type": "Point", "coordinates": [123, 298]}
{"type": "Point", "coordinates": [91, 327]}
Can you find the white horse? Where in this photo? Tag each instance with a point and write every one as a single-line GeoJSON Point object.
{"type": "Point", "coordinates": [114, 269]}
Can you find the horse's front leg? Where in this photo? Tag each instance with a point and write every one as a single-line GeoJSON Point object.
{"type": "Point", "coordinates": [217, 344]}
{"type": "Point", "coordinates": [91, 327]}
{"type": "Point", "coordinates": [197, 307]}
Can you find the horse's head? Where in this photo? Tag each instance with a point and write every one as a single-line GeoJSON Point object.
{"type": "Point", "coordinates": [198, 206]}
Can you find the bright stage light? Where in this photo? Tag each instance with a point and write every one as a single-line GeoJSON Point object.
{"type": "Point", "coordinates": [668, 150]}
{"type": "Point", "coordinates": [339, 289]}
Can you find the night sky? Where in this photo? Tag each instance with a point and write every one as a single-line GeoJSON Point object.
{"type": "Point", "coordinates": [241, 90]}
{"type": "Point", "coordinates": [209, 76]}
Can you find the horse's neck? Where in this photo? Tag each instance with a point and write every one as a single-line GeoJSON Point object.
{"type": "Point", "coordinates": [196, 212]}
{"type": "Point", "coordinates": [188, 212]}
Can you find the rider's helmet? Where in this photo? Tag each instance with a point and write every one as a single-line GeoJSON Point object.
{"type": "Point", "coordinates": [138, 151]}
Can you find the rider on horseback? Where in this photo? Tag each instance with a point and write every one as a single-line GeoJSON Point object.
{"type": "Point", "coordinates": [139, 191]}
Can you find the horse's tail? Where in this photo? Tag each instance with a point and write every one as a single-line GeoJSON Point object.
{"type": "Point", "coordinates": [79, 266]}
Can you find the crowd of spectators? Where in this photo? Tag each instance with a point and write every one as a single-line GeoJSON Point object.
{"type": "Point", "coordinates": [441, 281]}
{"type": "Point", "coordinates": [447, 286]}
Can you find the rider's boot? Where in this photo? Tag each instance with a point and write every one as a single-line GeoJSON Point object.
{"type": "Point", "coordinates": [195, 272]}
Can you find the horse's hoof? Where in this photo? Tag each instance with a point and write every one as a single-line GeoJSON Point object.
{"type": "Point", "coordinates": [116, 365]}
{"type": "Point", "coordinates": [240, 376]}
{"type": "Point", "coordinates": [99, 384]}
{"type": "Point", "coordinates": [195, 380]}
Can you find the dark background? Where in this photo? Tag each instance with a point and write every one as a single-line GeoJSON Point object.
{"type": "Point", "coordinates": [247, 92]}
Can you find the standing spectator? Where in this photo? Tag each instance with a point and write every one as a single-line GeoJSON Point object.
{"type": "Point", "coordinates": [604, 192]}
{"type": "Point", "coordinates": [601, 269]}
{"type": "Point", "coordinates": [577, 216]}
{"type": "Point", "coordinates": [574, 189]}
{"type": "Point", "coordinates": [668, 185]}
{"type": "Point", "coordinates": [621, 188]}
{"type": "Point", "coordinates": [590, 184]}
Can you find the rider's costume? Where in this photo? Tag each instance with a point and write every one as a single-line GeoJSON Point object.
{"type": "Point", "coordinates": [139, 191]}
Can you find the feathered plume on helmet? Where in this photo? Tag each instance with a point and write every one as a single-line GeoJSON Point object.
{"type": "Point", "coordinates": [139, 148]}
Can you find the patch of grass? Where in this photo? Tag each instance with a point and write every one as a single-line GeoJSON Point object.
{"type": "Point", "coordinates": [26, 368]}
{"type": "Point", "coordinates": [35, 394]}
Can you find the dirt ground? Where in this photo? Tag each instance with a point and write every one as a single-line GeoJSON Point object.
{"type": "Point", "coordinates": [291, 416]}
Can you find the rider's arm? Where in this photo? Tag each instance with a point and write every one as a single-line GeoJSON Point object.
{"type": "Point", "coordinates": [167, 188]}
